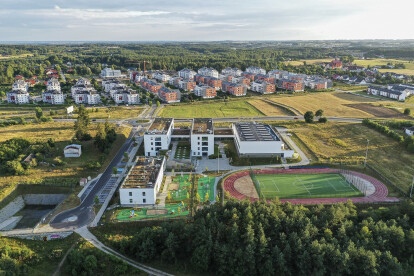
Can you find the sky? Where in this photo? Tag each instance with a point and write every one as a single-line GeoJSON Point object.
{"type": "Point", "coordinates": [208, 20]}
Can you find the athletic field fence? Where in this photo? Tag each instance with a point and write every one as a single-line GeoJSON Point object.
{"type": "Point", "coordinates": [354, 180]}
{"type": "Point", "coordinates": [256, 184]}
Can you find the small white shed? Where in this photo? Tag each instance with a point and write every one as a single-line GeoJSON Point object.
{"type": "Point", "coordinates": [73, 150]}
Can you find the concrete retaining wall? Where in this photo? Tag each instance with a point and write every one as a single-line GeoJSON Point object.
{"type": "Point", "coordinates": [12, 208]}
{"type": "Point", "coordinates": [43, 199]}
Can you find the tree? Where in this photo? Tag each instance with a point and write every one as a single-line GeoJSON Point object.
{"type": "Point", "coordinates": [207, 196]}
{"type": "Point", "coordinates": [96, 200]}
{"type": "Point", "coordinates": [319, 113]}
{"type": "Point", "coordinates": [14, 167]}
{"type": "Point", "coordinates": [81, 125]}
{"type": "Point", "coordinates": [114, 170]}
{"type": "Point", "coordinates": [322, 120]}
{"type": "Point", "coordinates": [39, 112]}
{"type": "Point", "coordinates": [309, 117]}
{"type": "Point", "coordinates": [407, 111]}
{"type": "Point", "coordinates": [158, 103]}
{"type": "Point", "coordinates": [100, 138]}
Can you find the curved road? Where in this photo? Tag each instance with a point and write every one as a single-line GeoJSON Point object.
{"type": "Point", "coordinates": [83, 214]}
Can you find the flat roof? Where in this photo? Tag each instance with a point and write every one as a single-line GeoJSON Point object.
{"type": "Point", "coordinates": [252, 132]}
{"type": "Point", "coordinates": [143, 174]}
{"type": "Point", "coordinates": [160, 125]}
{"type": "Point", "coordinates": [202, 126]}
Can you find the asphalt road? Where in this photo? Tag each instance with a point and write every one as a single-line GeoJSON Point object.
{"type": "Point", "coordinates": [84, 213]}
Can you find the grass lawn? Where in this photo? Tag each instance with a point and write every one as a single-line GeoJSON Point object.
{"type": "Point", "coordinates": [170, 211]}
{"type": "Point", "coordinates": [305, 186]}
{"type": "Point", "coordinates": [11, 109]}
{"type": "Point", "coordinates": [115, 112]}
{"type": "Point", "coordinates": [333, 104]}
{"type": "Point", "coordinates": [211, 109]}
{"type": "Point", "coordinates": [206, 185]}
{"type": "Point", "coordinates": [346, 142]}
{"type": "Point", "coordinates": [183, 188]}
{"type": "Point", "coordinates": [268, 109]}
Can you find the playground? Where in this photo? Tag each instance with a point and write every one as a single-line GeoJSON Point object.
{"type": "Point", "coordinates": [304, 186]}
{"type": "Point", "coordinates": [169, 211]}
{"type": "Point", "coordinates": [179, 188]}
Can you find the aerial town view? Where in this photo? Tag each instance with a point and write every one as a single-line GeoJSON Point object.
{"type": "Point", "coordinates": [206, 138]}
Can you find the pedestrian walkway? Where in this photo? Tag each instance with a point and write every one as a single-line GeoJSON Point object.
{"type": "Point", "coordinates": [163, 194]}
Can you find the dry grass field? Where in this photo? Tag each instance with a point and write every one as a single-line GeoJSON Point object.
{"type": "Point", "coordinates": [308, 61]}
{"type": "Point", "coordinates": [62, 133]}
{"type": "Point", "coordinates": [346, 142]}
{"type": "Point", "coordinates": [268, 109]}
{"type": "Point", "coordinates": [333, 104]}
{"type": "Point", "coordinates": [409, 65]}
{"type": "Point", "coordinates": [115, 112]}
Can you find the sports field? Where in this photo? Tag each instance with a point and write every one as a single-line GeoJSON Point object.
{"type": "Point", "coordinates": [304, 186]}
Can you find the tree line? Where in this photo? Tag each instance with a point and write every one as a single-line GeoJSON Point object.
{"type": "Point", "coordinates": [260, 238]}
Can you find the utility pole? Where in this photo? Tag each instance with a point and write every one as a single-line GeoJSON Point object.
{"type": "Point", "coordinates": [366, 155]}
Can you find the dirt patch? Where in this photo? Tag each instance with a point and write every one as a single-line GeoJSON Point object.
{"type": "Point", "coordinates": [379, 111]}
{"type": "Point", "coordinates": [245, 186]}
{"type": "Point", "coordinates": [174, 186]}
{"type": "Point", "coordinates": [156, 212]}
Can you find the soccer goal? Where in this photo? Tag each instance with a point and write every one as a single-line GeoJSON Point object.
{"type": "Point", "coordinates": [355, 181]}
{"type": "Point", "coordinates": [256, 184]}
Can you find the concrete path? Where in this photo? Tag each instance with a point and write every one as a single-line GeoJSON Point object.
{"type": "Point", "coordinates": [163, 194]}
{"type": "Point", "coordinates": [87, 235]}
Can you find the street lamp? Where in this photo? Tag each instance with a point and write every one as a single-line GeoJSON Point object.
{"type": "Point", "coordinates": [366, 154]}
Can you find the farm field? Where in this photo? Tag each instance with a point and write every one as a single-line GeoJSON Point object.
{"type": "Point", "coordinates": [232, 108]}
{"type": "Point", "coordinates": [347, 143]}
{"type": "Point", "coordinates": [116, 112]}
{"type": "Point", "coordinates": [308, 61]}
{"type": "Point", "coordinates": [305, 186]}
{"type": "Point", "coordinates": [409, 70]}
{"type": "Point", "coordinates": [333, 104]}
{"type": "Point", "coordinates": [268, 109]}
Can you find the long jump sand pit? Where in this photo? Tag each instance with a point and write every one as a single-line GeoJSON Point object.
{"type": "Point", "coordinates": [156, 212]}
{"type": "Point", "coordinates": [173, 186]}
{"type": "Point", "coordinates": [245, 186]}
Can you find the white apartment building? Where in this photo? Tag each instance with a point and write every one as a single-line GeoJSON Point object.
{"type": "Point", "coordinates": [235, 72]}
{"type": "Point", "coordinates": [82, 84]}
{"type": "Point", "coordinates": [187, 74]}
{"type": "Point", "coordinates": [110, 73]}
{"type": "Point", "coordinates": [162, 77]}
{"type": "Point", "coordinates": [53, 84]}
{"type": "Point", "coordinates": [53, 97]}
{"type": "Point", "coordinates": [87, 97]}
{"type": "Point", "coordinates": [158, 136]}
{"type": "Point", "coordinates": [202, 137]}
{"type": "Point", "coordinates": [20, 85]}
{"type": "Point", "coordinates": [209, 72]}
{"type": "Point", "coordinates": [263, 87]}
{"type": "Point", "coordinates": [278, 74]}
{"type": "Point", "coordinates": [142, 182]}
{"type": "Point", "coordinates": [109, 84]}
{"type": "Point", "coordinates": [255, 70]}
{"type": "Point", "coordinates": [126, 96]}
{"type": "Point", "coordinates": [259, 140]}
{"type": "Point", "coordinates": [18, 97]}
{"type": "Point", "coordinates": [205, 91]}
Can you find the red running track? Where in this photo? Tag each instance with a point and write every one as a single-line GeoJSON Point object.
{"type": "Point", "coordinates": [380, 194]}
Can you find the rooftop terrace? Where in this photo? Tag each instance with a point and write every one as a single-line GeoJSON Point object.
{"type": "Point", "coordinates": [143, 174]}
{"type": "Point", "coordinates": [202, 126]}
{"type": "Point", "coordinates": [160, 126]}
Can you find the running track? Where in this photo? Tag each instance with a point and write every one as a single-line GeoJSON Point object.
{"type": "Point", "coordinates": [380, 194]}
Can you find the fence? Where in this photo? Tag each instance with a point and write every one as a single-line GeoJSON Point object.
{"type": "Point", "coordinates": [256, 184]}
{"type": "Point", "coordinates": [386, 180]}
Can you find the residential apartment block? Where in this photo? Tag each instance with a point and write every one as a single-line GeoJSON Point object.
{"type": "Point", "coordinates": [395, 92]}
{"type": "Point", "coordinates": [162, 77]}
{"type": "Point", "coordinates": [266, 78]}
{"type": "Point", "coordinates": [202, 137]}
{"type": "Point", "coordinates": [291, 85]}
{"type": "Point", "coordinates": [110, 73]}
{"type": "Point", "coordinates": [109, 84]}
{"type": "Point", "coordinates": [150, 85]}
{"type": "Point", "coordinates": [125, 96]}
{"type": "Point", "coordinates": [255, 70]}
{"type": "Point", "coordinates": [169, 95]}
{"type": "Point", "coordinates": [19, 93]}
{"type": "Point", "coordinates": [209, 72]}
{"type": "Point", "coordinates": [235, 72]}
{"type": "Point", "coordinates": [186, 85]}
{"type": "Point", "coordinates": [158, 136]}
{"type": "Point", "coordinates": [142, 182]}
{"type": "Point", "coordinates": [187, 74]}
{"type": "Point", "coordinates": [205, 91]}
{"type": "Point", "coordinates": [263, 87]}
{"type": "Point", "coordinates": [234, 89]}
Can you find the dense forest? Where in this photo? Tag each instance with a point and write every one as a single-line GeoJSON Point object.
{"type": "Point", "coordinates": [241, 238]}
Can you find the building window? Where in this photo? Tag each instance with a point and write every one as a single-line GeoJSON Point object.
{"type": "Point", "coordinates": [198, 138]}
{"type": "Point", "coordinates": [130, 201]}
{"type": "Point", "coordinates": [143, 193]}
{"type": "Point", "coordinates": [144, 200]}
{"type": "Point", "coordinates": [130, 193]}
{"type": "Point", "coordinates": [152, 143]}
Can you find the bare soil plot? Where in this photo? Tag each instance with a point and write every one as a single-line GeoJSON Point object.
{"type": "Point", "coordinates": [156, 212]}
{"type": "Point", "coordinates": [173, 186]}
{"type": "Point", "coordinates": [268, 109]}
{"type": "Point", "coordinates": [245, 186]}
{"type": "Point", "coordinates": [379, 111]}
